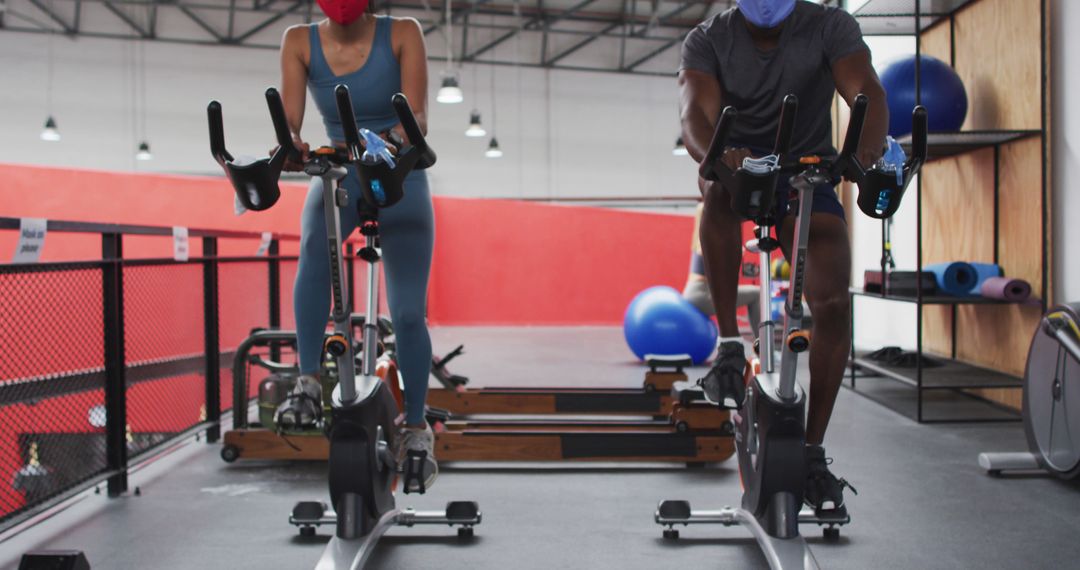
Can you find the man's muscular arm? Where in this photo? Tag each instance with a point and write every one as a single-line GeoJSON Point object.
{"type": "Point", "coordinates": [701, 100]}
{"type": "Point", "coordinates": [854, 74]}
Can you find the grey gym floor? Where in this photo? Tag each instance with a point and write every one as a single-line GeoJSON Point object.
{"type": "Point", "coordinates": [923, 502]}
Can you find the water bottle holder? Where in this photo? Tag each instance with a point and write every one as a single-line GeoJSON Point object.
{"type": "Point", "coordinates": [256, 183]}
{"type": "Point", "coordinates": [381, 186]}
{"type": "Point", "coordinates": [754, 195]}
{"type": "Point", "coordinates": [880, 195]}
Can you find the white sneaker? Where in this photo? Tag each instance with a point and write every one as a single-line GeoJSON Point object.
{"type": "Point", "coordinates": [422, 440]}
{"type": "Point", "coordinates": [302, 409]}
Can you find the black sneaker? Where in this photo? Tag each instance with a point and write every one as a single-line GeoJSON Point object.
{"type": "Point", "coordinates": [725, 385]}
{"type": "Point", "coordinates": [824, 492]}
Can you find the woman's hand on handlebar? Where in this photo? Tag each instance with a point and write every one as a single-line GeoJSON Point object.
{"type": "Point", "coordinates": [295, 163]}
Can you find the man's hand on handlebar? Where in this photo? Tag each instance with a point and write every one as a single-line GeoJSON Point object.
{"type": "Point", "coordinates": [869, 154]}
{"type": "Point", "coordinates": [733, 157]}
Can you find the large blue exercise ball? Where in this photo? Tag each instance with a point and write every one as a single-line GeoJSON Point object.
{"type": "Point", "coordinates": [660, 321]}
{"type": "Point", "coordinates": [943, 95]}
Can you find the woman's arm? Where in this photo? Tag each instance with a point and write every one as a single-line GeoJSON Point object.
{"type": "Point", "coordinates": [294, 74]}
{"type": "Point", "coordinates": [412, 57]}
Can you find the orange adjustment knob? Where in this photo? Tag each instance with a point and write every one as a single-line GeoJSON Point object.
{"type": "Point", "coordinates": [798, 341]}
{"type": "Point", "coordinates": [326, 150]}
{"type": "Point", "coordinates": [810, 160]}
{"type": "Point", "coordinates": [336, 344]}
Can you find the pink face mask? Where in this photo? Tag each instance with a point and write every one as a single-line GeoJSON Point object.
{"type": "Point", "coordinates": [343, 12]}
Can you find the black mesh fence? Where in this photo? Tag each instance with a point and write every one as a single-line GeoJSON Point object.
{"type": "Point", "coordinates": [52, 415]}
{"type": "Point", "coordinates": [60, 365]}
{"type": "Point", "coordinates": [243, 305]}
{"type": "Point", "coordinates": [165, 351]}
{"type": "Point", "coordinates": [288, 278]}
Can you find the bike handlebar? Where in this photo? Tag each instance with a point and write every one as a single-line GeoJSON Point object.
{"type": "Point", "coordinates": [217, 133]}
{"type": "Point", "coordinates": [878, 196]}
{"type": "Point", "coordinates": [281, 124]}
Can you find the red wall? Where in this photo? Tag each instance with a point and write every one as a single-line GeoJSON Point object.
{"type": "Point", "coordinates": [496, 262]}
{"type": "Point", "coordinates": [501, 261]}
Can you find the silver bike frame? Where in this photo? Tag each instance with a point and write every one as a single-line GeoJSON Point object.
{"type": "Point", "coordinates": [784, 383]}
{"type": "Point", "coordinates": [347, 391]}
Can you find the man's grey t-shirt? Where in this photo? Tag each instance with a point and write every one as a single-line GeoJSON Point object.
{"type": "Point", "coordinates": [755, 81]}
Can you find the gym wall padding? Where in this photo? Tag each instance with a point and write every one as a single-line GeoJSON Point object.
{"type": "Point", "coordinates": [130, 198]}
{"type": "Point", "coordinates": [508, 262]}
{"type": "Point", "coordinates": [1006, 92]}
{"type": "Point", "coordinates": [496, 261]}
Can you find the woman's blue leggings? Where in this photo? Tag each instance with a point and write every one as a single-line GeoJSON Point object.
{"type": "Point", "coordinates": [407, 233]}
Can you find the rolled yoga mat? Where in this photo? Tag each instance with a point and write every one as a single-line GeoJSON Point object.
{"type": "Point", "coordinates": [984, 271]}
{"type": "Point", "coordinates": [1013, 290]}
{"type": "Point", "coordinates": [956, 278]}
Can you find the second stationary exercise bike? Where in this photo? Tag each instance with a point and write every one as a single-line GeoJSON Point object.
{"type": "Point", "coordinates": [770, 436]}
{"type": "Point", "coordinates": [1050, 400]}
{"type": "Point", "coordinates": [363, 469]}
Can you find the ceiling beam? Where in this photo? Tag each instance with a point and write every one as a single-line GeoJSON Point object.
{"type": "Point", "coordinates": [68, 29]}
{"type": "Point", "coordinates": [215, 43]}
{"type": "Point", "coordinates": [570, 50]}
{"type": "Point", "coordinates": [267, 22]}
{"type": "Point", "coordinates": [127, 19]}
{"type": "Point", "coordinates": [202, 24]}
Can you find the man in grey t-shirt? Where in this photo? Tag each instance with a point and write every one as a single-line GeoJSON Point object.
{"type": "Point", "coordinates": [750, 57]}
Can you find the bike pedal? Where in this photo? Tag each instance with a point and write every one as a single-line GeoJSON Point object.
{"type": "Point", "coordinates": [414, 471]}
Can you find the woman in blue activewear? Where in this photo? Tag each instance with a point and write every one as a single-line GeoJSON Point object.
{"type": "Point", "coordinates": [376, 57]}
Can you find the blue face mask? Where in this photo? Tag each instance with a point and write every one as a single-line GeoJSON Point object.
{"type": "Point", "coordinates": [766, 13]}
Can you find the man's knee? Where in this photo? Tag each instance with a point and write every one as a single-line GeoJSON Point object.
{"type": "Point", "coordinates": [832, 305]}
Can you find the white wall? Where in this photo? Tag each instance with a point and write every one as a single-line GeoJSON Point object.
{"type": "Point", "coordinates": [564, 133]}
{"type": "Point", "coordinates": [1066, 145]}
{"type": "Point", "coordinates": [881, 323]}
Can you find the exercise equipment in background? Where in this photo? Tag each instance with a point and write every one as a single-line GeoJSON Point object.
{"type": "Point", "coordinates": [904, 283]}
{"type": "Point", "coordinates": [54, 560]}
{"type": "Point", "coordinates": [274, 351]}
{"type": "Point", "coordinates": [781, 269]}
{"type": "Point", "coordinates": [957, 278]}
{"type": "Point", "coordinates": [942, 94]}
{"type": "Point", "coordinates": [660, 321]}
{"type": "Point", "coordinates": [1051, 403]}
{"type": "Point", "coordinates": [1006, 289]}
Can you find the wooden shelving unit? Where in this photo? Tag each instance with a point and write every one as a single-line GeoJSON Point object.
{"type": "Point", "coordinates": [973, 204]}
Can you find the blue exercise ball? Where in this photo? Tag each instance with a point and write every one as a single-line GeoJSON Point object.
{"type": "Point", "coordinates": [660, 321]}
{"type": "Point", "coordinates": [942, 92]}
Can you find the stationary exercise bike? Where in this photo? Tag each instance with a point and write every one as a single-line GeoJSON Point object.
{"type": "Point", "coordinates": [770, 425]}
{"type": "Point", "coordinates": [361, 428]}
{"type": "Point", "coordinates": [1053, 365]}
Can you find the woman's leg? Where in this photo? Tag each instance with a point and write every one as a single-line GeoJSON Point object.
{"type": "Point", "coordinates": [407, 231]}
{"type": "Point", "coordinates": [311, 290]}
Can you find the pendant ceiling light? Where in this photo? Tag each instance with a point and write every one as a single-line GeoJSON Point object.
{"type": "Point", "coordinates": [680, 148]}
{"type": "Point", "coordinates": [450, 92]}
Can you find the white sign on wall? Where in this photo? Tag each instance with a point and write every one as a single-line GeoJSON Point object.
{"type": "Point", "coordinates": [180, 243]}
{"type": "Point", "coordinates": [31, 240]}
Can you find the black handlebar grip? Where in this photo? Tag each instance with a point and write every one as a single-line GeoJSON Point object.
{"type": "Point", "coordinates": [217, 133]}
{"type": "Point", "coordinates": [348, 117]}
{"type": "Point", "coordinates": [855, 125]}
{"type": "Point", "coordinates": [719, 141]}
{"type": "Point", "coordinates": [788, 109]}
{"type": "Point", "coordinates": [412, 130]}
{"type": "Point", "coordinates": [919, 120]}
{"type": "Point", "coordinates": [281, 124]}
